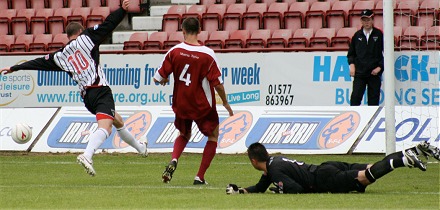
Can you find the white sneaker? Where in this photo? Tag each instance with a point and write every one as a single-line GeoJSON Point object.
{"type": "Point", "coordinates": [144, 142]}
{"type": "Point", "coordinates": [87, 164]}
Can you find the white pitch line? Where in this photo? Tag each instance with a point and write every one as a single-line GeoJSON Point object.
{"type": "Point", "coordinates": [171, 187]}
{"type": "Point", "coordinates": [111, 163]}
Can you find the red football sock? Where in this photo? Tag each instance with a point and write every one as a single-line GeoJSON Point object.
{"type": "Point", "coordinates": [208, 155]}
{"type": "Point", "coordinates": [179, 146]}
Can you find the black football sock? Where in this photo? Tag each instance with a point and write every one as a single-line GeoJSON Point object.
{"type": "Point", "coordinates": [386, 165]}
{"type": "Point", "coordinates": [395, 159]}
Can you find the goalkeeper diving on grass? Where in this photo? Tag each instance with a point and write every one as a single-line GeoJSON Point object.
{"type": "Point", "coordinates": [292, 176]}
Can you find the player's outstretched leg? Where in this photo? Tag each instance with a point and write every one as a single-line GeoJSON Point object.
{"type": "Point", "coordinates": [429, 150]}
{"type": "Point", "coordinates": [127, 137]}
{"type": "Point", "coordinates": [87, 164]}
{"type": "Point", "coordinates": [167, 175]}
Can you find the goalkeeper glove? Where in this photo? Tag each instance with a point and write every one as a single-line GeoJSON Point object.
{"type": "Point", "coordinates": [234, 189]}
{"type": "Point", "coordinates": [278, 188]}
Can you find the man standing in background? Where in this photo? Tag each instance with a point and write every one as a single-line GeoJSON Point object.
{"type": "Point", "coordinates": [365, 57]}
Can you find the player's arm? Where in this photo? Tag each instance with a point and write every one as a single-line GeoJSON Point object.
{"type": "Point", "coordinates": [164, 70]}
{"type": "Point", "coordinates": [99, 32]}
{"type": "Point", "coordinates": [286, 184]}
{"type": "Point", "coordinates": [43, 63]}
{"type": "Point", "coordinates": [222, 93]}
{"type": "Point", "coordinates": [260, 187]}
{"type": "Point", "coordinates": [351, 54]}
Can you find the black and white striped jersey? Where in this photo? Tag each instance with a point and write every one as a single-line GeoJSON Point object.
{"type": "Point", "coordinates": [80, 57]}
{"type": "Point", "coordinates": [77, 59]}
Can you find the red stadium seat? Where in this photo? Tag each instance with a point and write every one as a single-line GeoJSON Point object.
{"type": "Point", "coordinates": [22, 43]}
{"type": "Point", "coordinates": [295, 17]}
{"type": "Point", "coordinates": [57, 23]}
{"type": "Point", "coordinates": [279, 38]}
{"type": "Point", "coordinates": [247, 2]}
{"type": "Point", "coordinates": [171, 20]}
{"type": "Point", "coordinates": [56, 4]}
{"type": "Point", "coordinates": [95, 3]}
{"type": "Point", "coordinates": [97, 16]}
{"type": "Point", "coordinates": [207, 2]}
{"type": "Point", "coordinates": [217, 39]}
{"type": "Point", "coordinates": [20, 23]}
{"type": "Point", "coordinates": [156, 40]}
{"type": "Point", "coordinates": [405, 13]}
{"type": "Point", "coordinates": [4, 4]}
{"type": "Point", "coordinates": [58, 42]}
{"type": "Point", "coordinates": [268, 2]}
{"type": "Point", "coordinates": [195, 11]}
{"type": "Point", "coordinates": [41, 41]}
{"type": "Point", "coordinates": [37, 4]}
{"type": "Point", "coordinates": [427, 12]}
{"type": "Point", "coordinates": [211, 20]}
{"type": "Point", "coordinates": [19, 4]}
{"type": "Point", "coordinates": [273, 18]}
{"type": "Point", "coordinates": [258, 39]}
{"type": "Point", "coordinates": [397, 35]}
{"type": "Point", "coordinates": [431, 41]}
{"type": "Point", "coordinates": [232, 17]}
{"type": "Point", "coordinates": [136, 41]}
{"type": "Point", "coordinates": [73, 4]}
{"type": "Point", "coordinates": [113, 4]}
{"type": "Point", "coordinates": [300, 38]}
{"type": "Point", "coordinates": [174, 39]}
{"type": "Point", "coordinates": [315, 17]}
{"type": "Point", "coordinates": [322, 38]}
{"type": "Point", "coordinates": [202, 37]}
{"type": "Point", "coordinates": [237, 39]}
{"type": "Point", "coordinates": [337, 17]}
{"type": "Point", "coordinates": [252, 19]}
{"type": "Point", "coordinates": [5, 42]}
{"type": "Point", "coordinates": [38, 23]}
{"type": "Point", "coordinates": [343, 37]}
{"type": "Point", "coordinates": [354, 15]}
{"type": "Point", "coordinates": [228, 2]}
{"type": "Point", "coordinates": [5, 20]}
{"type": "Point", "coordinates": [134, 6]}
{"type": "Point", "coordinates": [411, 37]}
{"type": "Point", "coordinates": [79, 15]}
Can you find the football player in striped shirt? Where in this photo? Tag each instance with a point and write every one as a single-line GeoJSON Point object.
{"type": "Point", "coordinates": [80, 59]}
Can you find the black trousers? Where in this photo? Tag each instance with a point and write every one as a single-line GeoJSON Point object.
{"type": "Point", "coordinates": [373, 92]}
{"type": "Point", "coordinates": [338, 177]}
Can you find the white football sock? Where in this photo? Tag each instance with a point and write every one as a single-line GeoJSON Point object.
{"type": "Point", "coordinates": [129, 139]}
{"type": "Point", "coordinates": [95, 140]}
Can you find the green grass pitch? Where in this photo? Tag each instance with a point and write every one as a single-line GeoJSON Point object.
{"type": "Point", "coordinates": [127, 181]}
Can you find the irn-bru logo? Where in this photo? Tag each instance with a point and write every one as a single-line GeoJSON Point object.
{"type": "Point", "coordinates": [73, 132]}
{"type": "Point", "coordinates": [234, 128]}
{"type": "Point", "coordinates": [338, 130]}
{"type": "Point", "coordinates": [137, 125]}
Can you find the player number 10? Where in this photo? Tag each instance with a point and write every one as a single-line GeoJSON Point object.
{"type": "Point", "coordinates": [79, 62]}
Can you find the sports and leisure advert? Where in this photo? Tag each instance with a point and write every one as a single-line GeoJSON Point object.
{"type": "Point", "coordinates": [251, 79]}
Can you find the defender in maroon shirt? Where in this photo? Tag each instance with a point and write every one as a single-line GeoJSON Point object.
{"type": "Point", "coordinates": [196, 75]}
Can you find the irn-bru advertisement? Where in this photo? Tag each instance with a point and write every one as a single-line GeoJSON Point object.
{"type": "Point", "coordinates": [307, 130]}
{"type": "Point", "coordinates": [250, 79]}
{"type": "Point", "coordinates": [287, 130]}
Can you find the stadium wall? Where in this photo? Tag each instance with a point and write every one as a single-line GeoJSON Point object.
{"type": "Point", "coordinates": [287, 130]}
{"type": "Point", "coordinates": [292, 102]}
{"type": "Point", "coordinates": [251, 79]}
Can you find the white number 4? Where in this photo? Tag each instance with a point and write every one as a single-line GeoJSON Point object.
{"type": "Point", "coordinates": [182, 77]}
